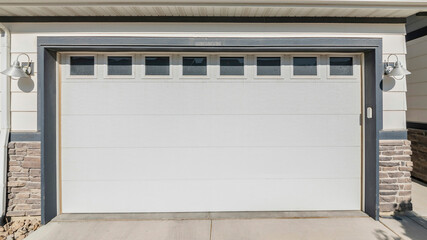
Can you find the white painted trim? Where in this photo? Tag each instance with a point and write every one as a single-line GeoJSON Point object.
{"type": "Point", "coordinates": [180, 66]}
{"type": "Point", "coordinates": [104, 59]}
{"type": "Point", "coordinates": [5, 115]}
{"type": "Point", "coordinates": [68, 63]}
{"type": "Point", "coordinates": [363, 122]}
{"type": "Point", "coordinates": [269, 77]}
{"type": "Point", "coordinates": [59, 74]}
{"type": "Point", "coordinates": [328, 67]}
{"type": "Point", "coordinates": [233, 77]}
{"type": "Point", "coordinates": [308, 77]}
{"type": "Point", "coordinates": [151, 77]}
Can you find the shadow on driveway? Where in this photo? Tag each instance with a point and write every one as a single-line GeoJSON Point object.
{"type": "Point", "coordinates": [412, 225]}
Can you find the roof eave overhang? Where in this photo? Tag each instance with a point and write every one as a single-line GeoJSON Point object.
{"type": "Point", "coordinates": [380, 4]}
{"type": "Point", "coordinates": [284, 3]}
{"type": "Point", "coordinates": [301, 8]}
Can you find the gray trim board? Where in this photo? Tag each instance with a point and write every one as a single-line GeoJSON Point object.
{"type": "Point", "coordinates": [393, 135]}
{"type": "Point", "coordinates": [201, 19]}
{"type": "Point", "coordinates": [218, 44]}
{"type": "Point", "coordinates": [49, 46]}
{"type": "Point", "coordinates": [373, 98]}
{"type": "Point", "coordinates": [24, 136]}
{"type": "Point", "coordinates": [416, 125]}
{"type": "Point", "coordinates": [47, 119]}
{"type": "Point", "coordinates": [416, 34]}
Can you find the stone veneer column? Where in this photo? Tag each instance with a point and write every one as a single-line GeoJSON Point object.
{"type": "Point", "coordinates": [418, 139]}
{"type": "Point", "coordinates": [23, 182]}
{"type": "Point", "coordinates": [395, 176]}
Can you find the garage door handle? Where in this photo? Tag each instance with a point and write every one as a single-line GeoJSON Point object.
{"type": "Point", "coordinates": [369, 112]}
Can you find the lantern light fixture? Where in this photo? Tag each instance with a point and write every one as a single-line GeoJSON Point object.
{"type": "Point", "coordinates": [17, 70]}
{"type": "Point", "coordinates": [396, 71]}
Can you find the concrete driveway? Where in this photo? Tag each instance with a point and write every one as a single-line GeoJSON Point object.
{"type": "Point", "coordinates": [241, 226]}
{"type": "Point", "coordinates": [217, 226]}
{"type": "Point", "coordinates": [413, 225]}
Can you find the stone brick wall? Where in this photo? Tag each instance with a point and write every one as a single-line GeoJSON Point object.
{"type": "Point", "coordinates": [23, 179]}
{"type": "Point", "coordinates": [418, 139]}
{"type": "Point", "coordinates": [395, 176]}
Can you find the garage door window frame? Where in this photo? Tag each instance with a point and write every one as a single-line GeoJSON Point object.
{"type": "Point", "coordinates": [282, 67]}
{"type": "Point", "coordinates": [317, 76]}
{"type": "Point", "coordinates": [48, 48]}
{"type": "Point", "coordinates": [181, 66]}
{"type": "Point", "coordinates": [105, 66]}
{"type": "Point", "coordinates": [339, 76]}
{"type": "Point", "coordinates": [237, 77]}
{"type": "Point", "coordinates": [148, 77]}
{"type": "Point", "coordinates": [96, 63]}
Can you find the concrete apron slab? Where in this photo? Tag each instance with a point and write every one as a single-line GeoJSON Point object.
{"type": "Point", "coordinates": [126, 230]}
{"type": "Point", "coordinates": [207, 226]}
{"type": "Point", "coordinates": [206, 215]}
{"type": "Point", "coordinates": [419, 197]}
{"type": "Point", "coordinates": [408, 227]}
{"type": "Point", "coordinates": [279, 229]}
{"type": "Point", "coordinates": [412, 225]}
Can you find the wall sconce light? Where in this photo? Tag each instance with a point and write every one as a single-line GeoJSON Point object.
{"type": "Point", "coordinates": [19, 71]}
{"type": "Point", "coordinates": [396, 70]}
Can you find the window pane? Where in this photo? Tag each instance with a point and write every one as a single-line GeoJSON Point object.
{"type": "Point", "coordinates": [232, 66]}
{"type": "Point", "coordinates": [268, 66]}
{"type": "Point", "coordinates": [194, 66]}
{"type": "Point", "coordinates": [305, 66]}
{"type": "Point", "coordinates": [119, 65]}
{"type": "Point", "coordinates": [342, 66]}
{"type": "Point", "coordinates": [156, 65]}
{"type": "Point", "coordinates": [84, 65]}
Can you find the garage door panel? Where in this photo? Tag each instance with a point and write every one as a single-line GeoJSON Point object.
{"type": "Point", "coordinates": [212, 163]}
{"type": "Point", "coordinates": [211, 98]}
{"type": "Point", "coordinates": [211, 130]}
{"type": "Point", "coordinates": [141, 143]}
{"type": "Point", "coordinates": [200, 196]}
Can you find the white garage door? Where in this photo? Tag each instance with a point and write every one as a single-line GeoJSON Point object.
{"type": "Point", "coordinates": [146, 132]}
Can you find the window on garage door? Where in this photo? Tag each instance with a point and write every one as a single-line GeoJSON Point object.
{"type": "Point", "coordinates": [210, 66]}
{"type": "Point", "coordinates": [157, 65]}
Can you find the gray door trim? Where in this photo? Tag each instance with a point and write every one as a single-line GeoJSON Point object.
{"type": "Point", "coordinates": [24, 136]}
{"type": "Point", "coordinates": [394, 135]}
{"type": "Point", "coordinates": [49, 46]}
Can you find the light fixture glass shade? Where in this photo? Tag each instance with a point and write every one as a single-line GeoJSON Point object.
{"type": "Point", "coordinates": [15, 71]}
{"type": "Point", "coordinates": [398, 70]}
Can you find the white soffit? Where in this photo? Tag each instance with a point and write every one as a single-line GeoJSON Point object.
{"type": "Point", "coordinates": [236, 8]}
